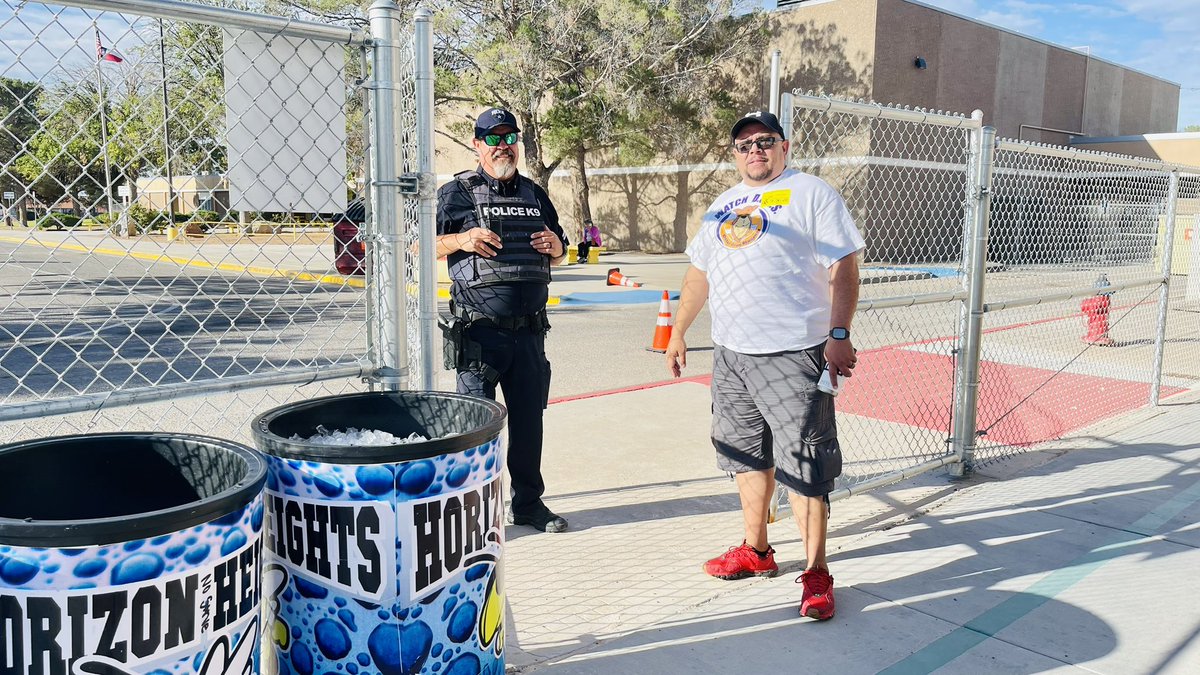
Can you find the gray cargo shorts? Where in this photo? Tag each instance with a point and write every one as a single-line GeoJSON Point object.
{"type": "Point", "coordinates": [768, 412]}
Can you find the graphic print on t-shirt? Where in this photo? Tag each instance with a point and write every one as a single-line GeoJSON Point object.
{"type": "Point", "coordinates": [742, 227]}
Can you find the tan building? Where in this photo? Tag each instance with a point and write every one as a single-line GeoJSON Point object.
{"type": "Point", "coordinates": [1181, 148]}
{"type": "Point", "coordinates": [891, 51]}
{"type": "Point", "coordinates": [208, 192]}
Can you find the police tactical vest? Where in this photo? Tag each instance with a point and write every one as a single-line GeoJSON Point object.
{"type": "Point", "coordinates": [516, 219]}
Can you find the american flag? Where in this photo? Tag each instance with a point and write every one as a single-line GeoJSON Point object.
{"type": "Point", "coordinates": [107, 53]}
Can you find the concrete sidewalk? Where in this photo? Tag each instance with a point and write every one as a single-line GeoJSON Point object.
{"type": "Point", "coordinates": [1081, 556]}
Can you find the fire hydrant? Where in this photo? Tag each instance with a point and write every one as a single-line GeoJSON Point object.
{"type": "Point", "coordinates": [1095, 309]}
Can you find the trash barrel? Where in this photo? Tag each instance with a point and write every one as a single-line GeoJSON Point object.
{"type": "Point", "coordinates": [130, 553]}
{"type": "Point", "coordinates": [384, 558]}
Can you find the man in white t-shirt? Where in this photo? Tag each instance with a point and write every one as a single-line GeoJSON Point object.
{"type": "Point", "coordinates": [777, 256]}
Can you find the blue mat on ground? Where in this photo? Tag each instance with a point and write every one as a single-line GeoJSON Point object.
{"type": "Point", "coordinates": [938, 272]}
{"type": "Point", "coordinates": [615, 297]}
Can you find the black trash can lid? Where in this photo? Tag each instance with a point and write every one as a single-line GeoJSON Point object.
{"type": "Point", "coordinates": [452, 423]}
{"type": "Point", "coordinates": [96, 489]}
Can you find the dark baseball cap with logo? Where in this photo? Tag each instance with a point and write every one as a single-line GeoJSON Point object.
{"type": "Point", "coordinates": [767, 119]}
{"type": "Point", "coordinates": [494, 117]}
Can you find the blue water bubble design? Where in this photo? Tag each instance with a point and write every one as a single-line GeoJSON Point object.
{"type": "Point", "coordinates": [375, 480]}
{"type": "Point", "coordinates": [465, 664]}
{"type": "Point", "coordinates": [462, 623]}
{"type": "Point", "coordinates": [16, 570]}
{"type": "Point", "coordinates": [302, 659]}
{"type": "Point", "coordinates": [417, 477]}
{"type": "Point", "coordinates": [328, 484]}
{"type": "Point", "coordinates": [233, 541]}
{"type": "Point", "coordinates": [332, 639]}
{"type": "Point", "coordinates": [91, 567]}
{"type": "Point", "coordinates": [458, 475]}
{"type": "Point", "coordinates": [309, 589]}
{"type": "Point", "coordinates": [197, 554]}
{"type": "Point", "coordinates": [138, 567]}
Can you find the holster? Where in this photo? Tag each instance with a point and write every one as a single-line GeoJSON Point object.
{"type": "Point", "coordinates": [453, 340]}
{"type": "Point", "coordinates": [459, 351]}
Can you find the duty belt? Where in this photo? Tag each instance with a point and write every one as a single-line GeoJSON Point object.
{"type": "Point", "coordinates": [537, 322]}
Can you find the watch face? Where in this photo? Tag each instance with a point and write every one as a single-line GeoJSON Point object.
{"type": "Point", "coordinates": [839, 333]}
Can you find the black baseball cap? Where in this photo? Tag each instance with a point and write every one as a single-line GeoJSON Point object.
{"type": "Point", "coordinates": [767, 119]}
{"type": "Point", "coordinates": [494, 117]}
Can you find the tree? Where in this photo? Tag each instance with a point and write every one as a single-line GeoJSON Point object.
{"type": "Point", "coordinates": [18, 123]}
{"type": "Point", "coordinates": [1191, 128]}
{"type": "Point", "coordinates": [631, 78]}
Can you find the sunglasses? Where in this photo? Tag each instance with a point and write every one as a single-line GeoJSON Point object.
{"type": "Point", "coordinates": [492, 140]}
{"type": "Point", "coordinates": [760, 143]}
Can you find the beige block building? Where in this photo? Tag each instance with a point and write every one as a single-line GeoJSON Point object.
{"type": "Point", "coordinates": [891, 51]}
{"type": "Point", "coordinates": [1181, 148]}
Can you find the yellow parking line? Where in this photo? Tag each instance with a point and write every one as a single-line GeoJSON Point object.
{"type": "Point", "coordinates": [353, 282]}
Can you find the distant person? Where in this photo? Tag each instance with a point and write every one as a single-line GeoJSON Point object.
{"type": "Point", "coordinates": [591, 237]}
{"type": "Point", "coordinates": [501, 235]}
{"type": "Point", "coordinates": [778, 256]}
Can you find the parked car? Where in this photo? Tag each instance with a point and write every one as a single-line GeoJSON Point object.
{"type": "Point", "coordinates": [349, 252]}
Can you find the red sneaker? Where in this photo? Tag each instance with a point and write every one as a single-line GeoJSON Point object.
{"type": "Point", "coordinates": [740, 562]}
{"type": "Point", "coordinates": [817, 600]}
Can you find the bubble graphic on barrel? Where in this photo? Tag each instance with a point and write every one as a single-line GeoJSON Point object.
{"type": "Point", "coordinates": [81, 593]}
{"type": "Point", "coordinates": [398, 571]}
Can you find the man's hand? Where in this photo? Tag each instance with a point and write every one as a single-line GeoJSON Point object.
{"type": "Point", "coordinates": [841, 357]}
{"type": "Point", "coordinates": [676, 355]}
{"type": "Point", "coordinates": [480, 241]}
{"type": "Point", "coordinates": [547, 242]}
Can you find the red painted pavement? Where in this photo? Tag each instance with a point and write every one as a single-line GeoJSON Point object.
{"type": "Point", "coordinates": [915, 388]}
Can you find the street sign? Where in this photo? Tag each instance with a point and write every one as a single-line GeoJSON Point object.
{"type": "Point", "coordinates": [122, 190]}
{"type": "Point", "coordinates": [8, 196]}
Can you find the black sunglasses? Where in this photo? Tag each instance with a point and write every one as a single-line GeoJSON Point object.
{"type": "Point", "coordinates": [761, 143]}
{"type": "Point", "coordinates": [492, 140]}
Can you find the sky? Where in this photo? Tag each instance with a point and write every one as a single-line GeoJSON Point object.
{"type": "Point", "coordinates": [1158, 37]}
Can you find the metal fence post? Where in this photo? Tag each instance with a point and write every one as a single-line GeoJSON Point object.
{"type": "Point", "coordinates": [1160, 337]}
{"type": "Point", "coordinates": [427, 237]}
{"type": "Point", "coordinates": [774, 105]}
{"type": "Point", "coordinates": [966, 386]}
{"type": "Point", "coordinates": [387, 244]}
{"type": "Point", "coordinates": [787, 119]}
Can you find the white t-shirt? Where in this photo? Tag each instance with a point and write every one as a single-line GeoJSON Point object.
{"type": "Point", "coordinates": [767, 252]}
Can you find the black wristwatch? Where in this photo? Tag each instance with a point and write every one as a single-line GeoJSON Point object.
{"type": "Point", "coordinates": [839, 333]}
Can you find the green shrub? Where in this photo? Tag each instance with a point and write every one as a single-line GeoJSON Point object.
{"type": "Point", "coordinates": [203, 216]}
{"type": "Point", "coordinates": [56, 221]}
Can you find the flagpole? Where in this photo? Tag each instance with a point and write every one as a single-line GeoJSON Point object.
{"type": "Point", "coordinates": [103, 124]}
{"type": "Point", "coordinates": [162, 53]}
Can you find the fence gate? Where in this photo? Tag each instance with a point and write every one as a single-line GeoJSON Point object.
{"type": "Point", "coordinates": [1012, 293]}
{"type": "Point", "coordinates": [172, 176]}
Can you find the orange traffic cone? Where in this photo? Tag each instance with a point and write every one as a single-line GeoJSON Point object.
{"type": "Point", "coordinates": [662, 329]}
{"type": "Point", "coordinates": [615, 278]}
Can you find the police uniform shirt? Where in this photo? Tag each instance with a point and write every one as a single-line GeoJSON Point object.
{"type": "Point", "coordinates": [456, 213]}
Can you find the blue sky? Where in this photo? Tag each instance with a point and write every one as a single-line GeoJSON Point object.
{"type": "Point", "coordinates": [1159, 37]}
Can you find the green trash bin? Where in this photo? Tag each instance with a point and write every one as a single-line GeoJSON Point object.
{"type": "Point", "coordinates": [384, 559]}
{"type": "Point", "coordinates": [129, 553]}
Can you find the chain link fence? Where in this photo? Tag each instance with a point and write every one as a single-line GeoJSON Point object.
{"type": "Point", "coordinates": [1012, 293]}
{"type": "Point", "coordinates": [191, 232]}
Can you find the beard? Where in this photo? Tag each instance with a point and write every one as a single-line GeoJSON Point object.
{"type": "Point", "coordinates": [760, 171]}
{"type": "Point", "coordinates": [504, 164]}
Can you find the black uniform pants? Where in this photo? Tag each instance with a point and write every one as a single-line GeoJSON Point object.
{"type": "Point", "coordinates": [520, 358]}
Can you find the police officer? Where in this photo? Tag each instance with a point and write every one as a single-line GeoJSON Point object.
{"type": "Point", "coordinates": [501, 235]}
